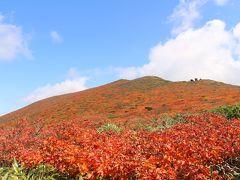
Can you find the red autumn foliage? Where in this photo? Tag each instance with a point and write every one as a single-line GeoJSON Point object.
{"type": "Point", "coordinates": [186, 151]}
{"type": "Point", "coordinates": [129, 100]}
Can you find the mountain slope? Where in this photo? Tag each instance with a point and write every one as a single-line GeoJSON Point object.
{"type": "Point", "coordinates": [126, 100]}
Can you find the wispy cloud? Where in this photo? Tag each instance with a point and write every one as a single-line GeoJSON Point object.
{"type": "Point", "coordinates": [56, 37]}
{"type": "Point", "coordinates": [73, 73]}
{"type": "Point", "coordinates": [1, 17]}
{"type": "Point", "coordinates": [70, 85]}
{"type": "Point", "coordinates": [210, 52]}
{"type": "Point", "coordinates": [187, 12]}
{"type": "Point", "coordinates": [221, 2]}
{"type": "Point", "coordinates": [12, 41]}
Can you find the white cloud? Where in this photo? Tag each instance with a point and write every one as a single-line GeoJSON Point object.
{"type": "Point", "coordinates": [12, 41]}
{"type": "Point", "coordinates": [210, 52]}
{"type": "Point", "coordinates": [236, 31]}
{"type": "Point", "coordinates": [56, 37]}
{"type": "Point", "coordinates": [187, 12]}
{"type": "Point", "coordinates": [1, 17]}
{"type": "Point", "coordinates": [72, 73]}
{"type": "Point", "coordinates": [68, 86]}
{"type": "Point", "coordinates": [221, 2]}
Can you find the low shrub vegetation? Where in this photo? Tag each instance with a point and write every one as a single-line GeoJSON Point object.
{"type": "Point", "coordinates": [190, 147]}
{"type": "Point", "coordinates": [41, 172]}
{"type": "Point", "coordinates": [109, 127]}
{"type": "Point", "coordinates": [161, 123]}
{"type": "Point", "coordinates": [229, 112]}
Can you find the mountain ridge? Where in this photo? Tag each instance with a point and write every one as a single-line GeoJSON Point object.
{"type": "Point", "coordinates": [128, 99]}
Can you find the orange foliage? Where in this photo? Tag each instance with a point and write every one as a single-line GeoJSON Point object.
{"type": "Point", "coordinates": [127, 100]}
{"type": "Point", "coordinates": [187, 151]}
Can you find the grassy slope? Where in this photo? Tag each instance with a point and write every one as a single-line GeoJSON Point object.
{"type": "Point", "coordinates": [123, 100]}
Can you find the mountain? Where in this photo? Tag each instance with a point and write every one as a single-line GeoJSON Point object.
{"type": "Point", "coordinates": [123, 101]}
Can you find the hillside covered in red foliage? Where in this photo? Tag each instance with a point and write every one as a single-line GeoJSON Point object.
{"type": "Point", "coordinates": [147, 128]}
{"type": "Point", "coordinates": [125, 101]}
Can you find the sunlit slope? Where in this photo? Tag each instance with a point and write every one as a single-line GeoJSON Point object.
{"type": "Point", "coordinates": [129, 99]}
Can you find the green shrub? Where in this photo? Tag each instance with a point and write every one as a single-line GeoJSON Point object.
{"type": "Point", "coordinates": [161, 123]}
{"type": "Point", "coordinates": [109, 127]}
{"type": "Point", "coordinates": [42, 172]}
{"type": "Point", "coordinates": [228, 111]}
{"type": "Point", "coordinates": [111, 116]}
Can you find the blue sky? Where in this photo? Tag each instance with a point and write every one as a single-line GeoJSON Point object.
{"type": "Point", "coordinates": [54, 47]}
